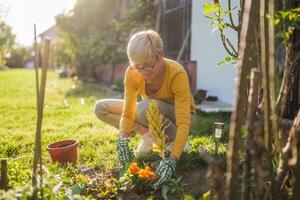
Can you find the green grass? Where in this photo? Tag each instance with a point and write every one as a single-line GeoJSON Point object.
{"type": "Point", "coordinates": [61, 121]}
{"type": "Point", "coordinates": [66, 117]}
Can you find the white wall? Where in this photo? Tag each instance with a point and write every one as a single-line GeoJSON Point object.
{"type": "Point", "coordinates": [207, 50]}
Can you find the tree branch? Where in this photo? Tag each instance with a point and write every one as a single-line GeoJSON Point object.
{"type": "Point", "coordinates": [230, 16]}
{"type": "Point", "coordinates": [232, 47]}
{"type": "Point", "coordinates": [223, 39]}
{"type": "Point", "coordinates": [232, 27]}
{"type": "Point", "coordinates": [288, 67]}
{"type": "Point", "coordinates": [226, 41]}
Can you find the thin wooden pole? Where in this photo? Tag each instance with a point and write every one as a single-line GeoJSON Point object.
{"type": "Point", "coordinates": [272, 69]}
{"type": "Point", "coordinates": [185, 41]}
{"type": "Point", "coordinates": [294, 161]}
{"type": "Point", "coordinates": [36, 67]}
{"type": "Point", "coordinates": [265, 74]}
{"type": "Point", "coordinates": [274, 118]}
{"type": "Point", "coordinates": [259, 155]}
{"type": "Point", "coordinates": [4, 177]}
{"type": "Point", "coordinates": [38, 142]}
{"type": "Point", "coordinates": [252, 108]}
{"type": "Point", "coordinates": [250, 15]}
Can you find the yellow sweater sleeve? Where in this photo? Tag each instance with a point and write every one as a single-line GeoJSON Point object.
{"type": "Point", "coordinates": [129, 108]}
{"type": "Point", "coordinates": [181, 90]}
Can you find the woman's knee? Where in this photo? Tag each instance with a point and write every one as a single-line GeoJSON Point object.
{"type": "Point", "coordinates": [141, 112]}
{"type": "Point", "coordinates": [101, 108]}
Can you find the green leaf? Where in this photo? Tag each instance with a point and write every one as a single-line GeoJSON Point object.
{"type": "Point", "coordinates": [207, 8]}
{"type": "Point", "coordinates": [276, 21]}
{"type": "Point", "coordinates": [124, 169]}
{"type": "Point", "coordinates": [77, 189]}
{"type": "Point", "coordinates": [221, 63]}
{"type": "Point", "coordinates": [227, 58]}
{"type": "Point", "coordinates": [188, 197]}
{"type": "Point", "coordinates": [65, 179]}
{"type": "Point", "coordinates": [206, 196]}
{"type": "Point", "coordinates": [164, 191]}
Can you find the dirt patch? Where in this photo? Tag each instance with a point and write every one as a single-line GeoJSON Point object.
{"type": "Point", "coordinates": [195, 180]}
{"type": "Point", "coordinates": [195, 183]}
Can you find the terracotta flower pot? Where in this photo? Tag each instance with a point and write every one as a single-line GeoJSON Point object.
{"type": "Point", "coordinates": [64, 151]}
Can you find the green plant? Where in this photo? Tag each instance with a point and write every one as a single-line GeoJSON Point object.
{"type": "Point", "coordinates": [142, 179]}
{"type": "Point", "coordinates": [175, 187]}
{"type": "Point", "coordinates": [217, 14]}
{"type": "Point", "coordinates": [19, 56]}
{"type": "Point", "coordinates": [287, 21]}
{"type": "Point", "coordinates": [157, 127]}
{"type": "Point", "coordinates": [92, 44]}
{"type": "Point", "coordinates": [119, 85]}
{"type": "Point", "coordinates": [75, 120]}
{"type": "Point", "coordinates": [7, 41]}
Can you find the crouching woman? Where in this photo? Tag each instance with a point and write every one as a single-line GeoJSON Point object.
{"type": "Point", "coordinates": [152, 77]}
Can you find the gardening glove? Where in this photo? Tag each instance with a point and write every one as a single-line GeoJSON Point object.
{"type": "Point", "coordinates": [125, 154]}
{"type": "Point", "coordinates": [165, 171]}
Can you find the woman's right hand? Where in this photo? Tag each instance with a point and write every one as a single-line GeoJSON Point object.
{"type": "Point", "coordinates": [125, 154]}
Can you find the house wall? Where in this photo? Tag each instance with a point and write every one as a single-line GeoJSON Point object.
{"type": "Point", "coordinates": [207, 50]}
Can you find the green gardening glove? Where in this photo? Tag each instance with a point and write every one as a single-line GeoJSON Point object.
{"type": "Point", "coordinates": [165, 171]}
{"type": "Point", "coordinates": [125, 154]}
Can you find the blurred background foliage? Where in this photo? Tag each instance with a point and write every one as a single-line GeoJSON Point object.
{"type": "Point", "coordinates": [93, 36]}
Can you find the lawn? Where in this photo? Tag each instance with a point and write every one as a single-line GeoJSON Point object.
{"type": "Point", "coordinates": [68, 114]}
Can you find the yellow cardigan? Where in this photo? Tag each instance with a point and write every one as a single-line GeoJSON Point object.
{"type": "Point", "coordinates": [175, 90]}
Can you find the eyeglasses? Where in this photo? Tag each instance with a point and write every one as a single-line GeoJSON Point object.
{"type": "Point", "coordinates": [142, 67]}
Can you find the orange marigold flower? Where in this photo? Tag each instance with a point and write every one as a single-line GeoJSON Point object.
{"type": "Point", "coordinates": [134, 168]}
{"type": "Point", "coordinates": [148, 169]}
{"type": "Point", "coordinates": [143, 174]}
{"type": "Point", "coordinates": [152, 175]}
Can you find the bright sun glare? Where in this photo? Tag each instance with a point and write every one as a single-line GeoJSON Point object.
{"type": "Point", "coordinates": [22, 14]}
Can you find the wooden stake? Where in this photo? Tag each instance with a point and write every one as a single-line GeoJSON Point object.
{"type": "Point", "coordinates": [259, 156]}
{"type": "Point", "coordinates": [185, 41]}
{"type": "Point", "coordinates": [274, 117]}
{"type": "Point", "coordinates": [290, 158]}
{"type": "Point", "coordinates": [296, 156]}
{"type": "Point", "coordinates": [38, 143]}
{"type": "Point", "coordinates": [4, 177]}
{"type": "Point", "coordinates": [250, 15]}
{"type": "Point", "coordinates": [265, 74]}
{"type": "Point", "coordinates": [36, 67]}
{"type": "Point", "coordinates": [252, 108]}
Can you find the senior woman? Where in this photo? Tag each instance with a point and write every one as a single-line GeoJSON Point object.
{"type": "Point", "coordinates": [150, 76]}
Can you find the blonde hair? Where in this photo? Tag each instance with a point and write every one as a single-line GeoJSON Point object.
{"type": "Point", "coordinates": [144, 46]}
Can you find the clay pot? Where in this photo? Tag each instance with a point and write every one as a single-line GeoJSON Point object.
{"type": "Point", "coordinates": [64, 151]}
